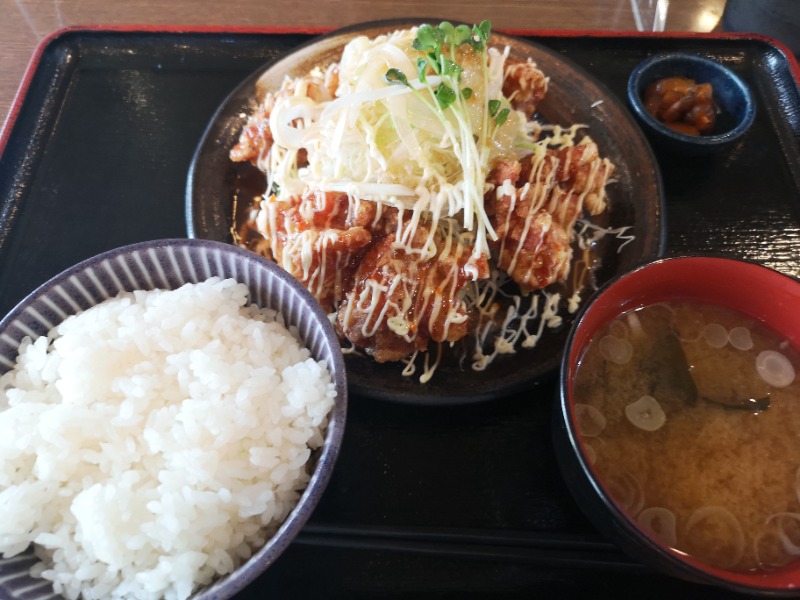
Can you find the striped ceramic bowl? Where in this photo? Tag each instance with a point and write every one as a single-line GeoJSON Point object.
{"type": "Point", "coordinates": [168, 264]}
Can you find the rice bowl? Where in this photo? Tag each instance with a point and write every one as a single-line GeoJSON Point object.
{"type": "Point", "coordinates": [190, 461]}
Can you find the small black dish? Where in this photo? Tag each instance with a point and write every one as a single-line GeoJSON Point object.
{"type": "Point", "coordinates": [733, 97]}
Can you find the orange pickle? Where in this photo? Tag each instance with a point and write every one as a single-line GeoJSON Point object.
{"type": "Point", "coordinates": [682, 104]}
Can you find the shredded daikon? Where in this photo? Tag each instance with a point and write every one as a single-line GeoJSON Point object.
{"type": "Point", "coordinates": [394, 143]}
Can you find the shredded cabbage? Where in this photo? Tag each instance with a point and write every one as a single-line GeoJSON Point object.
{"type": "Point", "coordinates": [393, 143]}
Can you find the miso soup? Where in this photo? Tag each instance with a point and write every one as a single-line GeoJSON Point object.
{"type": "Point", "coordinates": [691, 416]}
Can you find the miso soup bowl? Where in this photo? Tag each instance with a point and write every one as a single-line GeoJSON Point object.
{"type": "Point", "coordinates": [751, 289]}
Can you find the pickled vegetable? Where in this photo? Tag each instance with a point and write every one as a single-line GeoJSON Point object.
{"type": "Point", "coordinates": [682, 104]}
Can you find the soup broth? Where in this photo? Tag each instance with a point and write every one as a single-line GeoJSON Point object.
{"type": "Point", "coordinates": [690, 414]}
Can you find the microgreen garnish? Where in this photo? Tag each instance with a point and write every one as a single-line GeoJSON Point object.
{"type": "Point", "coordinates": [445, 95]}
{"type": "Point", "coordinates": [470, 132]}
{"type": "Point", "coordinates": [502, 116]}
{"type": "Point", "coordinates": [422, 66]}
{"type": "Point", "coordinates": [396, 76]}
{"type": "Point", "coordinates": [499, 116]}
{"type": "Point", "coordinates": [435, 43]}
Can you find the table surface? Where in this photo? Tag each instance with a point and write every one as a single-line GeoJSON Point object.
{"type": "Point", "coordinates": [24, 23]}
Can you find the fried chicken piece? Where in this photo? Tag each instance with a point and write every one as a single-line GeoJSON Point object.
{"type": "Point", "coordinates": [255, 139]}
{"type": "Point", "coordinates": [317, 239]}
{"type": "Point", "coordinates": [534, 206]}
{"type": "Point", "coordinates": [580, 170]}
{"type": "Point", "coordinates": [532, 248]}
{"type": "Point", "coordinates": [400, 302]}
{"type": "Point", "coordinates": [524, 85]}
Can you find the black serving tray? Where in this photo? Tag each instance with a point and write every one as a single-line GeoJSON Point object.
{"type": "Point", "coordinates": [460, 501]}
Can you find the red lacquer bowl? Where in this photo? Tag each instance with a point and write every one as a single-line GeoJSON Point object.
{"type": "Point", "coordinates": [754, 290]}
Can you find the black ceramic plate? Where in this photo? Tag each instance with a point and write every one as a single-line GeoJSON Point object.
{"type": "Point", "coordinates": [635, 200]}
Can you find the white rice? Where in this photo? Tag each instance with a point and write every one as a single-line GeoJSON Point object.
{"type": "Point", "coordinates": [151, 443]}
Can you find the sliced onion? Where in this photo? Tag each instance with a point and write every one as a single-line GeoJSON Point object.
{"type": "Point", "coordinates": [373, 95]}
{"type": "Point", "coordinates": [287, 111]}
{"type": "Point", "coordinates": [660, 523]}
{"type": "Point", "coordinates": [618, 328]}
{"type": "Point", "coordinates": [770, 540]}
{"type": "Point", "coordinates": [774, 368]}
{"type": "Point", "coordinates": [646, 413]}
{"type": "Point", "coordinates": [715, 335]}
{"type": "Point", "coordinates": [626, 491]}
{"type": "Point", "coordinates": [616, 350]}
{"type": "Point", "coordinates": [590, 453]}
{"type": "Point", "coordinates": [590, 421]}
{"type": "Point", "coordinates": [726, 518]}
{"type": "Point", "coordinates": [788, 544]}
{"type": "Point", "coordinates": [740, 338]}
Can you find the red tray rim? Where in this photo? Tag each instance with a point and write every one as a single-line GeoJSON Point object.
{"type": "Point", "coordinates": [39, 50]}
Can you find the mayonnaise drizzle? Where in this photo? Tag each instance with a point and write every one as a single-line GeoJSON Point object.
{"type": "Point", "coordinates": [350, 151]}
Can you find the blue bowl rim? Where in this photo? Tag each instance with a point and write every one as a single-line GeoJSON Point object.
{"type": "Point", "coordinates": [634, 88]}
